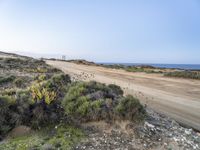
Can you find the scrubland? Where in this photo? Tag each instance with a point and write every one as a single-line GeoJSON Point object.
{"type": "Point", "coordinates": [46, 101]}
{"type": "Point", "coordinates": [45, 108]}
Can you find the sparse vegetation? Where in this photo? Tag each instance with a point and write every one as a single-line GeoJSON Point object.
{"type": "Point", "coordinates": [80, 61]}
{"type": "Point", "coordinates": [184, 74]}
{"type": "Point", "coordinates": [62, 137]}
{"type": "Point", "coordinates": [27, 107]}
{"type": "Point", "coordinates": [4, 80]}
{"type": "Point", "coordinates": [19, 82]}
{"type": "Point", "coordinates": [136, 68]}
{"type": "Point", "coordinates": [39, 96]}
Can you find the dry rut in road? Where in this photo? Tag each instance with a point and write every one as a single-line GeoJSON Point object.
{"type": "Point", "coordinates": [177, 98]}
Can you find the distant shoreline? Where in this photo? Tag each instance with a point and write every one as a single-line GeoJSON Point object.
{"type": "Point", "coordinates": [192, 67]}
{"type": "Point", "coordinates": [165, 66]}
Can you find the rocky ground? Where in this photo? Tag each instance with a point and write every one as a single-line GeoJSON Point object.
{"type": "Point", "coordinates": [158, 132]}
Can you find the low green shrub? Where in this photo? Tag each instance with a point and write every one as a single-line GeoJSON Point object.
{"type": "Point", "coordinates": [23, 107]}
{"type": "Point", "coordinates": [129, 108]}
{"type": "Point", "coordinates": [90, 101]}
{"type": "Point", "coordinates": [5, 101]}
{"type": "Point", "coordinates": [8, 92]}
{"type": "Point", "coordinates": [42, 77]}
{"type": "Point", "coordinates": [184, 74]}
{"type": "Point", "coordinates": [19, 82]}
{"type": "Point", "coordinates": [6, 114]}
{"type": "Point", "coordinates": [47, 98]}
{"type": "Point", "coordinates": [116, 89]}
{"type": "Point", "coordinates": [8, 79]}
{"type": "Point", "coordinates": [41, 94]}
{"type": "Point", "coordinates": [58, 83]}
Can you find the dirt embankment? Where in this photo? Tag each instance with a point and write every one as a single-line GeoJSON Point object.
{"type": "Point", "coordinates": [177, 98]}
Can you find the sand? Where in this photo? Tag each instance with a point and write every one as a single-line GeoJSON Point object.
{"type": "Point", "coordinates": [175, 97]}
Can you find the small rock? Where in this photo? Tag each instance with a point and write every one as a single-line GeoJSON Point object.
{"type": "Point", "coordinates": [149, 125]}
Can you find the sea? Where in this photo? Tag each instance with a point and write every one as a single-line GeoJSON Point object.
{"type": "Point", "coordinates": [176, 66]}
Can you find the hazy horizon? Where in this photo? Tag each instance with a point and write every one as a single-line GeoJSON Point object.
{"type": "Point", "coordinates": [59, 56]}
{"type": "Point", "coordinates": [103, 31]}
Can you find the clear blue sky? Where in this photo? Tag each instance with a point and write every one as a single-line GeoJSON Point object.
{"type": "Point", "coordinates": [144, 31]}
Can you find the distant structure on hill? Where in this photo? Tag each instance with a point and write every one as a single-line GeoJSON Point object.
{"type": "Point", "coordinates": [63, 57]}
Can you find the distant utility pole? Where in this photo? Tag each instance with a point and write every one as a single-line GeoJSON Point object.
{"type": "Point", "coordinates": [63, 57]}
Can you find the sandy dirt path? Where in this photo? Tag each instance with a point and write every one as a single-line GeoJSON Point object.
{"type": "Point", "coordinates": [177, 98]}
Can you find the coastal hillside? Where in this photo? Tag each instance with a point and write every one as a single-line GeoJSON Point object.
{"type": "Point", "coordinates": [12, 55]}
{"type": "Point", "coordinates": [44, 108]}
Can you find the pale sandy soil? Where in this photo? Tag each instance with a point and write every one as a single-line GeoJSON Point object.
{"type": "Point", "coordinates": [6, 56]}
{"type": "Point", "coordinates": [175, 97]}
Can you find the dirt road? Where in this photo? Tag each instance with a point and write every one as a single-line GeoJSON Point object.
{"type": "Point", "coordinates": [177, 98]}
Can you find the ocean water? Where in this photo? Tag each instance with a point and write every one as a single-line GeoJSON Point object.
{"type": "Point", "coordinates": [177, 66]}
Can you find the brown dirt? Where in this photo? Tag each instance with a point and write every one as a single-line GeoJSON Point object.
{"type": "Point", "coordinates": [175, 97]}
{"type": "Point", "coordinates": [19, 131]}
